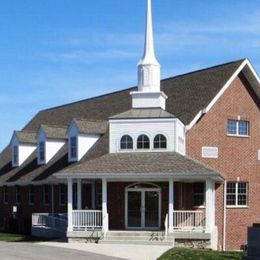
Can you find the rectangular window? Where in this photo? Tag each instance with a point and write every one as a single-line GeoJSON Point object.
{"type": "Point", "coordinates": [5, 195]}
{"type": "Point", "coordinates": [238, 127]}
{"type": "Point", "coordinates": [46, 195]}
{"type": "Point", "coordinates": [98, 194]}
{"type": "Point", "coordinates": [42, 151]}
{"type": "Point", "coordinates": [62, 194]}
{"type": "Point", "coordinates": [17, 195]}
{"type": "Point", "coordinates": [237, 194]}
{"type": "Point", "coordinates": [199, 194]}
{"type": "Point", "coordinates": [15, 155]}
{"type": "Point", "coordinates": [73, 147]}
{"type": "Point", "coordinates": [31, 195]}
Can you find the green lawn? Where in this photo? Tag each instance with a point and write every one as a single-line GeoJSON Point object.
{"type": "Point", "coordinates": [189, 254]}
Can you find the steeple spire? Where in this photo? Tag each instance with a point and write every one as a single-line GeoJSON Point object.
{"type": "Point", "coordinates": [149, 94]}
{"type": "Point", "coordinates": [149, 67]}
{"type": "Point", "coordinates": [149, 55]}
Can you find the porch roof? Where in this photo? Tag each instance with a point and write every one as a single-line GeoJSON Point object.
{"type": "Point", "coordinates": [149, 164]}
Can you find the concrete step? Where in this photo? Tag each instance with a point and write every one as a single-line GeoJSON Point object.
{"type": "Point", "coordinates": [136, 233]}
{"type": "Point", "coordinates": [139, 238]}
{"type": "Point", "coordinates": [137, 242]}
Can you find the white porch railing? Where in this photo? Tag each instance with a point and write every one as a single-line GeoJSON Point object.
{"type": "Point", "coordinates": [56, 222]}
{"type": "Point", "coordinates": [189, 220]}
{"type": "Point", "coordinates": [86, 219]}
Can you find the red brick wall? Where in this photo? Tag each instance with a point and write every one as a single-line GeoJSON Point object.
{"type": "Point", "coordinates": [237, 156]}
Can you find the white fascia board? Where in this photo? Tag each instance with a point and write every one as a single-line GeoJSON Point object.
{"type": "Point", "coordinates": [136, 176]}
{"type": "Point", "coordinates": [253, 71]}
{"type": "Point", "coordinates": [143, 120]}
{"type": "Point", "coordinates": [220, 93]}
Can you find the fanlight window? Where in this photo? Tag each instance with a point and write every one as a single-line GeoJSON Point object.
{"type": "Point", "coordinates": [143, 142]}
{"type": "Point", "coordinates": [126, 142]}
{"type": "Point", "coordinates": [160, 142]}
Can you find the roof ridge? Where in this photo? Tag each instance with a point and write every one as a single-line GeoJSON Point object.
{"type": "Point", "coordinates": [89, 120]}
{"type": "Point", "coordinates": [131, 88]}
{"type": "Point", "coordinates": [206, 68]}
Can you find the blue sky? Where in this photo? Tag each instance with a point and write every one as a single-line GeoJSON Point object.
{"type": "Point", "coordinates": [58, 51]}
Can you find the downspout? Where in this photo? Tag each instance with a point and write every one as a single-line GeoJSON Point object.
{"type": "Point", "coordinates": [224, 217]}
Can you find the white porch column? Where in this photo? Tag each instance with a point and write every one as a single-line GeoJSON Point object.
{"type": "Point", "coordinates": [210, 205]}
{"type": "Point", "coordinates": [79, 194]}
{"type": "Point", "coordinates": [171, 204]}
{"type": "Point", "coordinates": [104, 204]}
{"type": "Point", "coordinates": [70, 202]}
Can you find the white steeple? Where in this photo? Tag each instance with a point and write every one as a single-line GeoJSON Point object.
{"type": "Point", "coordinates": [149, 94]}
{"type": "Point", "coordinates": [149, 67]}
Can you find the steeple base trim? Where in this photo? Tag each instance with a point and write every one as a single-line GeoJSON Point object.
{"type": "Point", "coordinates": [148, 100]}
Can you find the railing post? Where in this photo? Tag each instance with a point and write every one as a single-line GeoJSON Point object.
{"type": "Point", "coordinates": [171, 204]}
{"type": "Point", "coordinates": [70, 201]}
{"type": "Point", "coordinates": [104, 205]}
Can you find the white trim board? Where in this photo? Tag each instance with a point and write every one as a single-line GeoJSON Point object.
{"type": "Point", "coordinates": [246, 62]}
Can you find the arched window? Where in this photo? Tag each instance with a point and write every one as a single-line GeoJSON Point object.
{"type": "Point", "coordinates": [160, 142]}
{"type": "Point", "coordinates": [143, 142]}
{"type": "Point", "coordinates": [126, 142]}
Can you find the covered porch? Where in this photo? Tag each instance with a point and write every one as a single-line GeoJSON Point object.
{"type": "Point", "coordinates": [147, 204]}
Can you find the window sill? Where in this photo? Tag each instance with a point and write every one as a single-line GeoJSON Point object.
{"type": "Point", "coordinates": [199, 207]}
{"type": "Point", "coordinates": [239, 136]}
{"type": "Point", "coordinates": [237, 207]}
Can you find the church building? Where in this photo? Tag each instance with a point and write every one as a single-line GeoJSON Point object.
{"type": "Point", "coordinates": [173, 161]}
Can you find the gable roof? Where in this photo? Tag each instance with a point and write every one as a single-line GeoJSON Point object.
{"type": "Point", "coordinates": [143, 113]}
{"type": "Point", "coordinates": [54, 132]}
{"type": "Point", "coordinates": [188, 95]}
{"type": "Point", "coordinates": [91, 126]}
{"type": "Point", "coordinates": [142, 164]}
{"type": "Point", "coordinates": [26, 137]}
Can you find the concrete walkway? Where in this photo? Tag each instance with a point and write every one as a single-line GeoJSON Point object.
{"type": "Point", "coordinates": [133, 252]}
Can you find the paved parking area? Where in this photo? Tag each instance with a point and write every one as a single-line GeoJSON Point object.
{"type": "Point", "coordinates": [133, 252]}
{"type": "Point", "coordinates": [32, 251]}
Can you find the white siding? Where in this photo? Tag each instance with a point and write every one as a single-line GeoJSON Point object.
{"type": "Point", "coordinates": [85, 142]}
{"type": "Point", "coordinates": [149, 127]}
{"type": "Point", "coordinates": [24, 151]}
{"type": "Point", "coordinates": [51, 148]}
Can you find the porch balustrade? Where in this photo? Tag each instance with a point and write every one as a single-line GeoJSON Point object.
{"type": "Point", "coordinates": [189, 220]}
{"type": "Point", "coordinates": [86, 219]}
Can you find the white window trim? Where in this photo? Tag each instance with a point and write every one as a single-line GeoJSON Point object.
{"type": "Point", "coordinates": [236, 206]}
{"type": "Point", "coordinates": [237, 129]}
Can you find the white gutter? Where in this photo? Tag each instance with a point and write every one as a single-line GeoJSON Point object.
{"type": "Point", "coordinates": [224, 217]}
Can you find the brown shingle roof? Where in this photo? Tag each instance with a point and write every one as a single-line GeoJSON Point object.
{"type": "Point", "coordinates": [143, 113]}
{"type": "Point", "coordinates": [142, 163]}
{"type": "Point", "coordinates": [187, 95]}
{"type": "Point", "coordinates": [54, 132]}
{"type": "Point", "coordinates": [91, 126]}
{"type": "Point", "coordinates": [28, 137]}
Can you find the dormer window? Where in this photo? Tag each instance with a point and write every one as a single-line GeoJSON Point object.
{"type": "Point", "coordinates": [73, 147]}
{"type": "Point", "coordinates": [42, 151]}
{"type": "Point", "coordinates": [15, 155]}
{"type": "Point", "coordinates": [160, 142]}
{"type": "Point", "coordinates": [126, 143]}
{"type": "Point", "coordinates": [143, 142]}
